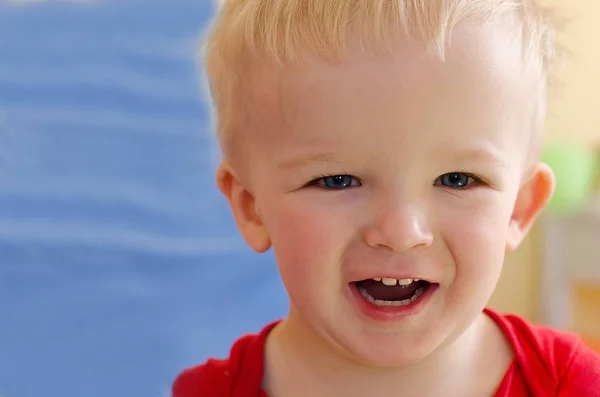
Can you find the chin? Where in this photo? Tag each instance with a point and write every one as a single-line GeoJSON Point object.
{"type": "Point", "coordinates": [388, 352]}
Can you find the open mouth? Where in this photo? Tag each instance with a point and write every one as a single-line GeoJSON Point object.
{"type": "Point", "coordinates": [392, 292]}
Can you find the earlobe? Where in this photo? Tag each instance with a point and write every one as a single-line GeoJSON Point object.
{"type": "Point", "coordinates": [243, 207]}
{"type": "Point", "coordinates": [533, 197]}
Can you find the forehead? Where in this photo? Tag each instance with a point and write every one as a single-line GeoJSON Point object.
{"type": "Point", "coordinates": [409, 99]}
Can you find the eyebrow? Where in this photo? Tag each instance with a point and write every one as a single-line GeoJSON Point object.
{"type": "Point", "coordinates": [480, 154]}
{"type": "Point", "coordinates": [318, 157]}
{"type": "Point", "coordinates": [472, 154]}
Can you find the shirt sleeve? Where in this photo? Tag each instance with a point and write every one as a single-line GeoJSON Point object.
{"type": "Point", "coordinates": [582, 376]}
{"type": "Point", "coordinates": [193, 382]}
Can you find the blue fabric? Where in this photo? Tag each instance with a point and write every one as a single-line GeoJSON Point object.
{"type": "Point", "coordinates": [119, 261]}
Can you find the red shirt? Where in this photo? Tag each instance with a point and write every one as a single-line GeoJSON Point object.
{"type": "Point", "coordinates": [547, 363]}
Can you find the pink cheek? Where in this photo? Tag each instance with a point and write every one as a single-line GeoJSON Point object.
{"type": "Point", "coordinates": [476, 239]}
{"type": "Point", "coordinates": [301, 225]}
{"type": "Point", "coordinates": [307, 246]}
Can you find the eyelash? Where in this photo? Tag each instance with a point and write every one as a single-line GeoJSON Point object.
{"type": "Point", "coordinates": [315, 179]}
{"type": "Point", "coordinates": [477, 180]}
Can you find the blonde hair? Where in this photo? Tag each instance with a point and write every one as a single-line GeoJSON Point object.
{"type": "Point", "coordinates": [247, 31]}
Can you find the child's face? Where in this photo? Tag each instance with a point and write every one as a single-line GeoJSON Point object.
{"type": "Point", "coordinates": [399, 168]}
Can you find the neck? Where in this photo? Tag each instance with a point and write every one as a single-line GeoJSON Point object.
{"type": "Point", "coordinates": [299, 360]}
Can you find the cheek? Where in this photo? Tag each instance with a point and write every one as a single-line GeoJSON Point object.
{"type": "Point", "coordinates": [476, 239]}
{"type": "Point", "coordinates": [308, 239]}
{"type": "Point", "coordinates": [476, 236]}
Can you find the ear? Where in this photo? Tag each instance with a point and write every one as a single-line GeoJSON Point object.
{"type": "Point", "coordinates": [244, 209]}
{"type": "Point", "coordinates": [533, 196]}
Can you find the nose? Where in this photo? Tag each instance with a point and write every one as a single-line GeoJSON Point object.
{"type": "Point", "coordinates": [398, 227]}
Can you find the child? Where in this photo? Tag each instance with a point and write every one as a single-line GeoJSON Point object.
{"type": "Point", "coordinates": [387, 151]}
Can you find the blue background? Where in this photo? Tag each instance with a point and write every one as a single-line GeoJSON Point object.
{"type": "Point", "coordinates": [119, 261]}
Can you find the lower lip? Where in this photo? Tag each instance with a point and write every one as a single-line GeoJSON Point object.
{"type": "Point", "coordinates": [391, 313]}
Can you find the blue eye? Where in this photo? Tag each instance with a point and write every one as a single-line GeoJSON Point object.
{"type": "Point", "coordinates": [337, 182]}
{"type": "Point", "coordinates": [455, 180]}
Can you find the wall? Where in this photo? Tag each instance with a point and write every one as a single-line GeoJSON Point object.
{"type": "Point", "coordinates": [117, 253]}
{"type": "Point", "coordinates": [574, 105]}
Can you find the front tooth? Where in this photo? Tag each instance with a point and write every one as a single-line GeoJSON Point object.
{"type": "Point", "coordinates": [377, 278]}
{"type": "Point", "coordinates": [405, 281]}
{"type": "Point", "coordinates": [389, 281]}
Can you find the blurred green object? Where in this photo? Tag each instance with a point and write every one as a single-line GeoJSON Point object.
{"type": "Point", "coordinates": [575, 167]}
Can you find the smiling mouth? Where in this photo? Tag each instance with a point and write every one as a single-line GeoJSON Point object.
{"type": "Point", "coordinates": [392, 292]}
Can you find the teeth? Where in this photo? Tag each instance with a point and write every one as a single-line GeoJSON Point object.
{"type": "Point", "coordinates": [390, 282]}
